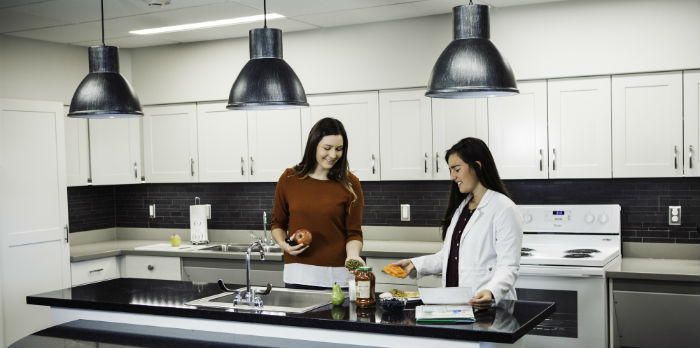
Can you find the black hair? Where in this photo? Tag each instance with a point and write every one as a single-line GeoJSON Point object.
{"type": "Point", "coordinates": [471, 150]}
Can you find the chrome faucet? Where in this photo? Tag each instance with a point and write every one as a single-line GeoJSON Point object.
{"type": "Point", "coordinates": [252, 297]}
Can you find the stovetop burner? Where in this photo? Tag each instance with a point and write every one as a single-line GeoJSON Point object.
{"type": "Point", "coordinates": [582, 251]}
{"type": "Point", "coordinates": [524, 253]}
{"type": "Point", "coordinates": [527, 249]}
{"type": "Point", "coordinates": [577, 256]}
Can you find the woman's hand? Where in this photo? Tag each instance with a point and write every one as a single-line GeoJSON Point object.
{"type": "Point", "coordinates": [406, 265]}
{"type": "Point", "coordinates": [293, 250]}
{"type": "Point", "coordinates": [483, 299]}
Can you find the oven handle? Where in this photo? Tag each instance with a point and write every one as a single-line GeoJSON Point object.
{"type": "Point", "coordinates": [561, 272]}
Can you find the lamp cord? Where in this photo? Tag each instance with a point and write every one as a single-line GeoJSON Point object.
{"type": "Point", "coordinates": [265, 12]}
{"type": "Point", "coordinates": [102, 10]}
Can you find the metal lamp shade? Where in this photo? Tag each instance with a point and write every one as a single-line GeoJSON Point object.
{"type": "Point", "coordinates": [104, 93]}
{"type": "Point", "coordinates": [471, 66]}
{"type": "Point", "coordinates": [266, 81]}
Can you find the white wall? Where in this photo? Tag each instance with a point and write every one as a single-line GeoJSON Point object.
{"type": "Point", "coordinates": [40, 70]}
{"type": "Point", "coordinates": [559, 39]}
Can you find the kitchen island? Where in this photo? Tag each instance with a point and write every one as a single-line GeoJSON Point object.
{"type": "Point", "coordinates": [162, 303]}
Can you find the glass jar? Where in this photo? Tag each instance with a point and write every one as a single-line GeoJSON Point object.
{"type": "Point", "coordinates": [364, 281]}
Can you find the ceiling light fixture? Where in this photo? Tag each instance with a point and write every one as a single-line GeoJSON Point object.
{"type": "Point", "coordinates": [207, 24]}
{"type": "Point", "coordinates": [104, 93]}
{"type": "Point", "coordinates": [266, 81]}
{"type": "Point", "coordinates": [471, 66]}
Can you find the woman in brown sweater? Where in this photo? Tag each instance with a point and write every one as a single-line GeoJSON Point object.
{"type": "Point", "coordinates": [320, 195]}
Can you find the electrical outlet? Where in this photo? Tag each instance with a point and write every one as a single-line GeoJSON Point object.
{"type": "Point", "coordinates": [674, 215]}
{"type": "Point", "coordinates": [152, 211]}
{"type": "Point", "coordinates": [405, 212]}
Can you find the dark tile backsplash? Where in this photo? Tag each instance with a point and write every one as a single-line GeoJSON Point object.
{"type": "Point", "coordinates": [239, 205]}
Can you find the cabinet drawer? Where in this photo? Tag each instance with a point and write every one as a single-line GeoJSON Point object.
{"type": "Point", "coordinates": [152, 267]}
{"type": "Point", "coordinates": [91, 271]}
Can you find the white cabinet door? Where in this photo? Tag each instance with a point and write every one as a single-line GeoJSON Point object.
{"type": "Point", "coordinates": [115, 151]}
{"type": "Point", "coordinates": [170, 143]}
{"type": "Point", "coordinates": [222, 137]}
{"type": "Point", "coordinates": [454, 120]}
{"type": "Point", "coordinates": [691, 122]}
{"type": "Point", "coordinates": [647, 125]}
{"type": "Point", "coordinates": [518, 132]}
{"type": "Point", "coordinates": [359, 113]}
{"type": "Point", "coordinates": [274, 143]}
{"type": "Point", "coordinates": [405, 128]}
{"type": "Point", "coordinates": [151, 267]}
{"type": "Point", "coordinates": [91, 271]}
{"type": "Point", "coordinates": [34, 251]}
{"type": "Point", "coordinates": [579, 128]}
{"type": "Point", "coordinates": [77, 151]}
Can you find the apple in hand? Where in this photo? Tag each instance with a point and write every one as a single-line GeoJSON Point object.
{"type": "Point", "coordinates": [302, 236]}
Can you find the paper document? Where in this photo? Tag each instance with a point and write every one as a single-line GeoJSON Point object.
{"type": "Point", "coordinates": [437, 313]}
{"type": "Point", "coordinates": [451, 295]}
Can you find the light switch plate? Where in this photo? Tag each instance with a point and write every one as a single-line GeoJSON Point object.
{"type": "Point", "coordinates": [405, 212]}
{"type": "Point", "coordinates": [674, 215]}
{"type": "Point", "coordinates": [152, 211]}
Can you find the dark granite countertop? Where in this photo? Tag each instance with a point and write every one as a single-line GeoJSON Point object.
{"type": "Point", "coordinates": [505, 323]}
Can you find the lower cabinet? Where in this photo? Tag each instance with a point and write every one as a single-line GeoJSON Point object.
{"type": "Point", "coordinates": [233, 271]}
{"type": "Point", "coordinates": [90, 271]}
{"type": "Point", "coordinates": [151, 267]}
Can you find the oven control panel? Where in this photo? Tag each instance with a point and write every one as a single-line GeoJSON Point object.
{"type": "Point", "coordinates": [582, 218]}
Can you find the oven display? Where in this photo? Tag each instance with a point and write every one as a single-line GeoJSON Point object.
{"type": "Point", "coordinates": [557, 212]}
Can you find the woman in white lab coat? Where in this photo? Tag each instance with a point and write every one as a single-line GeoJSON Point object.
{"type": "Point", "coordinates": [482, 229]}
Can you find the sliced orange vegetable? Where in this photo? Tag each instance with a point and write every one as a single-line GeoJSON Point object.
{"type": "Point", "coordinates": [394, 271]}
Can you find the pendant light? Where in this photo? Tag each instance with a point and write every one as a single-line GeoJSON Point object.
{"type": "Point", "coordinates": [266, 81]}
{"type": "Point", "coordinates": [471, 66]}
{"type": "Point", "coordinates": [104, 93]}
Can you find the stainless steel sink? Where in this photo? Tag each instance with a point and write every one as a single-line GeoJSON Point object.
{"type": "Point", "coordinates": [278, 300]}
{"type": "Point", "coordinates": [240, 248]}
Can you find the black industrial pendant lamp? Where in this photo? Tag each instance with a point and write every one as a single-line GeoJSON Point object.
{"type": "Point", "coordinates": [266, 81]}
{"type": "Point", "coordinates": [471, 66]}
{"type": "Point", "coordinates": [104, 93]}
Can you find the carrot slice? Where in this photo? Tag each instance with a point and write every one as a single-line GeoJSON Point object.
{"type": "Point", "coordinates": [394, 271]}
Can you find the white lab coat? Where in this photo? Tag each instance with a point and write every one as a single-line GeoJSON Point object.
{"type": "Point", "coordinates": [489, 249]}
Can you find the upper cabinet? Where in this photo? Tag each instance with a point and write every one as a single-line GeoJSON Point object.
{"type": "Point", "coordinates": [691, 122]}
{"type": "Point", "coordinates": [359, 113]}
{"type": "Point", "coordinates": [647, 125]}
{"type": "Point", "coordinates": [579, 128]}
{"type": "Point", "coordinates": [405, 135]}
{"type": "Point", "coordinates": [115, 151]}
{"type": "Point", "coordinates": [170, 143]}
{"type": "Point", "coordinates": [222, 137]}
{"type": "Point", "coordinates": [77, 151]}
{"type": "Point", "coordinates": [454, 120]}
{"type": "Point", "coordinates": [274, 143]}
{"type": "Point", "coordinates": [518, 132]}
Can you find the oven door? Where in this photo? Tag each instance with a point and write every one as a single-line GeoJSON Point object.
{"type": "Point", "coordinates": [580, 318]}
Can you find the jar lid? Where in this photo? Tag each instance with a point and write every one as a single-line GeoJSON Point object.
{"type": "Point", "coordinates": [364, 268]}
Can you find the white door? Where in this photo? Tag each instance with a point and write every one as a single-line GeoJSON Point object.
{"type": "Point", "coordinates": [170, 143]}
{"type": "Point", "coordinates": [405, 127]}
{"type": "Point", "coordinates": [359, 113]}
{"type": "Point", "coordinates": [115, 151]}
{"type": "Point", "coordinates": [454, 120]}
{"type": "Point", "coordinates": [518, 132]}
{"type": "Point", "coordinates": [691, 122]}
{"type": "Point", "coordinates": [222, 138]}
{"type": "Point", "coordinates": [579, 128]}
{"type": "Point", "coordinates": [647, 125]}
{"type": "Point", "coordinates": [77, 151]}
{"type": "Point", "coordinates": [33, 212]}
{"type": "Point", "coordinates": [274, 143]}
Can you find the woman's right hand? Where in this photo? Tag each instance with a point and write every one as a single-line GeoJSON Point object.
{"type": "Point", "coordinates": [294, 250]}
{"type": "Point", "coordinates": [406, 265]}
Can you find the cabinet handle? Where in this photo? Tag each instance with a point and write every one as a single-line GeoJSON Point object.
{"type": "Point", "coordinates": [242, 166]}
{"type": "Point", "coordinates": [97, 270]}
{"type": "Point", "coordinates": [437, 162]}
{"type": "Point", "coordinates": [65, 228]}
{"type": "Point", "coordinates": [554, 159]}
{"type": "Point", "coordinates": [373, 167]}
{"type": "Point", "coordinates": [252, 166]}
{"type": "Point", "coordinates": [136, 173]}
{"type": "Point", "coordinates": [192, 166]}
{"type": "Point", "coordinates": [690, 157]}
{"type": "Point", "coordinates": [541, 158]}
{"type": "Point", "coordinates": [426, 162]}
{"type": "Point", "coordinates": [150, 267]}
{"type": "Point", "coordinates": [675, 156]}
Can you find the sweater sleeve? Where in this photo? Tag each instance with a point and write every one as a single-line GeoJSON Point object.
{"type": "Point", "coordinates": [280, 208]}
{"type": "Point", "coordinates": [353, 221]}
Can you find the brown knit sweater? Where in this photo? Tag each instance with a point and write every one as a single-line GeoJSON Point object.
{"type": "Point", "coordinates": [322, 207]}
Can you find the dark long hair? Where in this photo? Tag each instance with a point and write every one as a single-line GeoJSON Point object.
{"type": "Point", "coordinates": [471, 150]}
{"type": "Point", "coordinates": [340, 170]}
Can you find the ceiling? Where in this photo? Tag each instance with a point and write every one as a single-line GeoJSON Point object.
{"type": "Point", "coordinates": [77, 22]}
